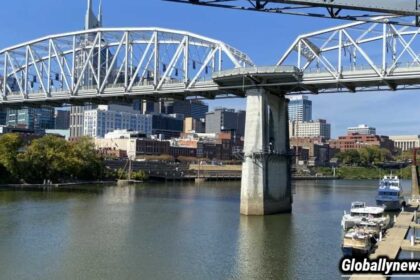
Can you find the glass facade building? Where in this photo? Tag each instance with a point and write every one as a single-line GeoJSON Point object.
{"type": "Point", "coordinates": [37, 119]}
{"type": "Point", "coordinates": [300, 109]}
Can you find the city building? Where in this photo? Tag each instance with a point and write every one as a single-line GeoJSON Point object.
{"type": "Point", "coordinates": [300, 109]}
{"type": "Point", "coordinates": [314, 151]}
{"type": "Point", "coordinates": [189, 108]}
{"type": "Point", "coordinates": [316, 128]}
{"type": "Point", "coordinates": [194, 125]}
{"type": "Point", "coordinates": [3, 116]}
{"type": "Point", "coordinates": [37, 119]}
{"type": "Point", "coordinates": [150, 107]}
{"type": "Point", "coordinates": [357, 141]}
{"type": "Point", "coordinates": [152, 147]}
{"type": "Point", "coordinates": [20, 130]}
{"type": "Point", "coordinates": [406, 142]}
{"type": "Point", "coordinates": [77, 112]}
{"type": "Point", "coordinates": [222, 119]}
{"type": "Point", "coordinates": [26, 134]}
{"type": "Point", "coordinates": [120, 143]}
{"type": "Point", "coordinates": [61, 119]}
{"type": "Point", "coordinates": [362, 129]}
{"type": "Point", "coordinates": [167, 126]}
{"type": "Point", "coordinates": [107, 118]}
{"type": "Point", "coordinates": [208, 145]}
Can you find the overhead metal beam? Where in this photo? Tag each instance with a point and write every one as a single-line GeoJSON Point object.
{"type": "Point", "coordinates": [357, 10]}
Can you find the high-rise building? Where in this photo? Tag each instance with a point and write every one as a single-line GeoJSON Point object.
{"type": "Point", "coordinates": [222, 119]}
{"type": "Point", "coordinates": [167, 126]}
{"type": "Point", "coordinates": [300, 109]}
{"type": "Point", "coordinates": [189, 108]}
{"type": "Point", "coordinates": [318, 128]}
{"type": "Point", "coordinates": [108, 118]}
{"type": "Point", "coordinates": [37, 119]}
{"type": "Point", "coordinates": [62, 119]}
{"type": "Point", "coordinates": [77, 112]}
{"type": "Point", "coordinates": [362, 129]}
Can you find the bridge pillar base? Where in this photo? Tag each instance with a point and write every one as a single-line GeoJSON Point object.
{"type": "Point", "coordinates": [266, 177]}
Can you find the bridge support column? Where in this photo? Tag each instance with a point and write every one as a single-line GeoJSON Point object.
{"type": "Point", "coordinates": [266, 177]}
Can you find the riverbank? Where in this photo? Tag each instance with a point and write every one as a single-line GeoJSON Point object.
{"type": "Point", "coordinates": [362, 173]}
{"type": "Point", "coordinates": [54, 186]}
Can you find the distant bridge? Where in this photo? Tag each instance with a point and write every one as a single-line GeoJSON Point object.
{"type": "Point", "coordinates": [110, 63]}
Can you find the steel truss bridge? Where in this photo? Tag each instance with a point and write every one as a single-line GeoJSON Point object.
{"type": "Point", "coordinates": [360, 56]}
{"type": "Point", "coordinates": [107, 63]}
{"type": "Point", "coordinates": [151, 63]}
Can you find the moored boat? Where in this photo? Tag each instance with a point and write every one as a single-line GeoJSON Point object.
{"type": "Point", "coordinates": [360, 213]}
{"type": "Point", "coordinates": [389, 193]}
{"type": "Point", "coordinates": [357, 242]}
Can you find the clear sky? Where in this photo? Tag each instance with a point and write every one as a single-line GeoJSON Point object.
{"type": "Point", "coordinates": [264, 37]}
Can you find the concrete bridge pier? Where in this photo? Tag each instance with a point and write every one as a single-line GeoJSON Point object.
{"type": "Point", "coordinates": [266, 178]}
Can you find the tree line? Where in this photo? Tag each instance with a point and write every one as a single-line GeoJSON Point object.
{"type": "Point", "coordinates": [366, 156]}
{"type": "Point", "coordinates": [48, 158]}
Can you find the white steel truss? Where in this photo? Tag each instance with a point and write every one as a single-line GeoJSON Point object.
{"type": "Point", "coordinates": [109, 62]}
{"type": "Point", "coordinates": [356, 56]}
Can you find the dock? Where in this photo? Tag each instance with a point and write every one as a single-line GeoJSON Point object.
{"type": "Point", "coordinates": [394, 239]}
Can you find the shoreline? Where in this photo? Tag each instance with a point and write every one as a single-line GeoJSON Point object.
{"type": "Point", "coordinates": [55, 186]}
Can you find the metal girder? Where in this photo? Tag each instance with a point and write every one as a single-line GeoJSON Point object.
{"type": "Point", "coordinates": [337, 9]}
{"type": "Point", "coordinates": [108, 62]}
{"type": "Point", "coordinates": [357, 56]}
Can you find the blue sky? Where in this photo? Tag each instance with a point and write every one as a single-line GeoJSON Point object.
{"type": "Point", "coordinates": [264, 37]}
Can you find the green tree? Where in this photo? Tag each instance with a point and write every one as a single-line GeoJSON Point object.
{"type": "Point", "coordinates": [85, 162]}
{"type": "Point", "coordinates": [11, 145]}
{"type": "Point", "coordinates": [45, 158]}
{"type": "Point", "coordinates": [349, 157]}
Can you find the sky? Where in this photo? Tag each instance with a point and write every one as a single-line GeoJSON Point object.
{"type": "Point", "coordinates": [264, 37]}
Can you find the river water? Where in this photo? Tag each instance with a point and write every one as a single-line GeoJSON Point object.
{"type": "Point", "coordinates": [173, 231]}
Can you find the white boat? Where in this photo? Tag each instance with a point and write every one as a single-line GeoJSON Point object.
{"type": "Point", "coordinates": [357, 242]}
{"type": "Point", "coordinates": [360, 213]}
{"type": "Point", "coordinates": [389, 193]}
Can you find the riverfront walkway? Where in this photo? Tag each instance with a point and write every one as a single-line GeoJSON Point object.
{"type": "Point", "coordinates": [394, 239]}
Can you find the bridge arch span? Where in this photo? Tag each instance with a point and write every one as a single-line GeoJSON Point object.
{"type": "Point", "coordinates": [358, 56]}
{"type": "Point", "coordinates": [113, 62]}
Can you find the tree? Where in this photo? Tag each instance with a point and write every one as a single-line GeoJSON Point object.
{"type": "Point", "coordinates": [85, 162]}
{"type": "Point", "coordinates": [349, 157]}
{"type": "Point", "coordinates": [45, 158]}
{"type": "Point", "coordinates": [11, 145]}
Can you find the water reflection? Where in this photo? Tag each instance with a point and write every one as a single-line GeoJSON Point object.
{"type": "Point", "coordinates": [260, 241]}
{"type": "Point", "coordinates": [173, 231]}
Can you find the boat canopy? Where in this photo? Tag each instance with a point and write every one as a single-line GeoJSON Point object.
{"type": "Point", "coordinates": [368, 210]}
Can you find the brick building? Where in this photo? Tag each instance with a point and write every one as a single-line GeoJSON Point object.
{"type": "Point", "coordinates": [356, 141]}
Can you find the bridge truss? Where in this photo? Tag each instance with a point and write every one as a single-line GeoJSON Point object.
{"type": "Point", "coordinates": [114, 62]}
{"type": "Point", "coordinates": [356, 56]}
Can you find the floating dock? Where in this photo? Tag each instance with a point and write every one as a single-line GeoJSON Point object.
{"type": "Point", "coordinates": [394, 239]}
